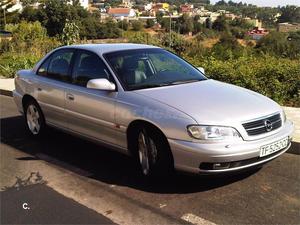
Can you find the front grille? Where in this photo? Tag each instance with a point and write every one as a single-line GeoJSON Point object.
{"type": "Point", "coordinates": [258, 126]}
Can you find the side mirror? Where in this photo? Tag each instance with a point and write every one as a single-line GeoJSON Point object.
{"type": "Point", "coordinates": [101, 84]}
{"type": "Point", "coordinates": [201, 69]}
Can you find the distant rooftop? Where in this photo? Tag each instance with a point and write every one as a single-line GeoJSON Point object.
{"type": "Point", "coordinates": [119, 11]}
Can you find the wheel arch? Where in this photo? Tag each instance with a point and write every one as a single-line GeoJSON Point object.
{"type": "Point", "coordinates": [133, 127]}
{"type": "Point", "coordinates": [26, 98]}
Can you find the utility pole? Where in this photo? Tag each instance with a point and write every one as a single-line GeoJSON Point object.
{"type": "Point", "coordinates": [4, 17]}
{"type": "Point", "coordinates": [170, 30]}
{"type": "Point", "coordinates": [122, 19]}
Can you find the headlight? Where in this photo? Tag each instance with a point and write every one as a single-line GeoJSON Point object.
{"type": "Point", "coordinates": [212, 132]}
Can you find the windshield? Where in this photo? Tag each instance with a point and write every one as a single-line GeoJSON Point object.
{"type": "Point", "coordinates": [148, 68]}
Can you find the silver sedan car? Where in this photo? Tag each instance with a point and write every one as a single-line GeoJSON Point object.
{"type": "Point", "coordinates": [147, 102]}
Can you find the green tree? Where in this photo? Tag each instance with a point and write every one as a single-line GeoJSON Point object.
{"type": "Point", "coordinates": [29, 14]}
{"type": "Point", "coordinates": [268, 16]}
{"type": "Point", "coordinates": [159, 17]}
{"type": "Point", "coordinates": [280, 44]}
{"type": "Point", "coordinates": [54, 13]}
{"type": "Point", "coordinates": [109, 29]}
{"type": "Point", "coordinates": [70, 33]}
{"type": "Point", "coordinates": [113, 3]}
{"type": "Point", "coordinates": [208, 23]}
{"type": "Point", "coordinates": [150, 23]}
{"type": "Point", "coordinates": [238, 32]}
{"type": "Point", "coordinates": [137, 25]}
{"type": "Point", "coordinates": [124, 25]}
{"type": "Point", "coordinates": [30, 37]}
{"type": "Point", "coordinates": [221, 3]}
{"type": "Point", "coordinates": [186, 24]}
{"type": "Point", "coordinates": [26, 32]}
{"type": "Point", "coordinates": [294, 42]}
{"type": "Point", "coordinates": [227, 47]}
{"type": "Point", "coordinates": [176, 42]}
{"type": "Point", "coordinates": [165, 23]}
{"type": "Point", "coordinates": [241, 23]}
{"type": "Point", "coordinates": [220, 24]}
{"type": "Point", "coordinates": [274, 43]}
{"type": "Point", "coordinates": [198, 27]}
{"type": "Point", "coordinates": [28, 2]}
{"type": "Point", "coordinates": [112, 30]}
{"type": "Point", "coordinates": [290, 14]}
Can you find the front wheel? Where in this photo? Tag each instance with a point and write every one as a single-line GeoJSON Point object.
{"type": "Point", "coordinates": [34, 117]}
{"type": "Point", "coordinates": [154, 153]}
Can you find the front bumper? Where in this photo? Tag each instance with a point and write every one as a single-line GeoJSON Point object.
{"type": "Point", "coordinates": [243, 154]}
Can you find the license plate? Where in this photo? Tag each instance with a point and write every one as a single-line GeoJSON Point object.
{"type": "Point", "coordinates": [274, 147]}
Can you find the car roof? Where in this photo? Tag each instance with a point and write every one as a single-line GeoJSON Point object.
{"type": "Point", "coordinates": [105, 48]}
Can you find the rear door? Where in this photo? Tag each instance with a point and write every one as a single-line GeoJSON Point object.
{"type": "Point", "coordinates": [91, 112]}
{"type": "Point", "coordinates": [53, 76]}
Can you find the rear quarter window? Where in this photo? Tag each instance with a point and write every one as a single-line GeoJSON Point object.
{"type": "Point", "coordinates": [57, 66]}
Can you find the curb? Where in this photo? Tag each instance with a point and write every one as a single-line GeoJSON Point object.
{"type": "Point", "coordinates": [6, 92]}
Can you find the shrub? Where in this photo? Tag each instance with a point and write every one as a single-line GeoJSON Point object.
{"type": "Point", "coordinates": [70, 33]}
{"type": "Point", "coordinates": [109, 29]}
{"type": "Point", "coordinates": [29, 37]}
{"type": "Point", "coordinates": [227, 47]}
{"type": "Point", "coordinates": [176, 43]}
{"type": "Point", "coordinates": [276, 78]}
{"type": "Point", "coordinates": [186, 24]}
{"type": "Point", "coordinates": [137, 25]}
{"type": "Point", "coordinates": [10, 63]}
{"type": "Point", "coordinates": [150, 23]}
{"type": "Point", "coordinates": [280, 44]}
{"type": "Point", "coordinates": [124, 25]}
{"type": "Point", "coordinates": [27, 31]}
{"type": "Point", "coordinates": [220, 24]}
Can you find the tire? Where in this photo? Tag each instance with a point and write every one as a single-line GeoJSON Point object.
{"type": "Point", "coordinates": [153, 153]}
{"type": "Point", "coordinates": [34, 119]}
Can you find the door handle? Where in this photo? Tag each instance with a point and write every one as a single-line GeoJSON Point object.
{"type": "Point", "coordinates": [70, 97]}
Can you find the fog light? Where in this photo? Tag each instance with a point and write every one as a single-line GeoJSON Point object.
{"type": "Point", "coordinates": [218, 166]}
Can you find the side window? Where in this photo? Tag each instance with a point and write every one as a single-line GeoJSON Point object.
{"type": "Point", "coordinates": [42, 71]}
{"type": "Point", "coordinates": [88, 66]}
{"type": "Point", "coordinates": [59, 66]}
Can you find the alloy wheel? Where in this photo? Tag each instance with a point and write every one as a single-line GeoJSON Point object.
{"type": "Point", "coordinates": [147, 151]}
{"type": "Point", "coordinates": [33, 119]}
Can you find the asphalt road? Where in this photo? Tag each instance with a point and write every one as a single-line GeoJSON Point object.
{"type": "Point", "coordinates": [39, 204]}
{"type": "Point", "coordinates": [270, 195]}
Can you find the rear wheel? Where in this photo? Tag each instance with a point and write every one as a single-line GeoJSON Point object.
{"type": "Point", "coordinates": [34, 117]}
{"type": "Point", "coordinates": [154, 155]}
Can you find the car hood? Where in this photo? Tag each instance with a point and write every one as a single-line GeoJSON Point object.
{"type": "Point", "coordinates": [212, 102]}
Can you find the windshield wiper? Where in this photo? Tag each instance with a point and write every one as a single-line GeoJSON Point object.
{"type": "Point", "coordinates": [162, 84]}
{"type": "Point", "coordinates": [147, 86]}
{"type": "Point", "coordinates": [183, 81]}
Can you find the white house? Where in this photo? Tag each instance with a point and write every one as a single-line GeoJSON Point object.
{"type": "Point", "coordinates": [122, 13]}
{"type": "Point", "coordinates": [84, 3]}
{"type": "Point", "coordinates": [148, 6]}
{"type": "Point", "coordinates": [16, 7]}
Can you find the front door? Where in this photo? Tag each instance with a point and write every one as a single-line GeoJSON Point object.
{"type": "Point", "coordinates": [90, 112]}
{"type": "Point", "coordinates": [52, 77]}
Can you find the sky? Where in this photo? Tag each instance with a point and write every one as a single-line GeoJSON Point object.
{"type": "Point", "coordinates": [273, 3]}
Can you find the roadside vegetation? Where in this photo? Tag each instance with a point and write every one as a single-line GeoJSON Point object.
{"type": "Point", "coordinates": [270, 66]}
